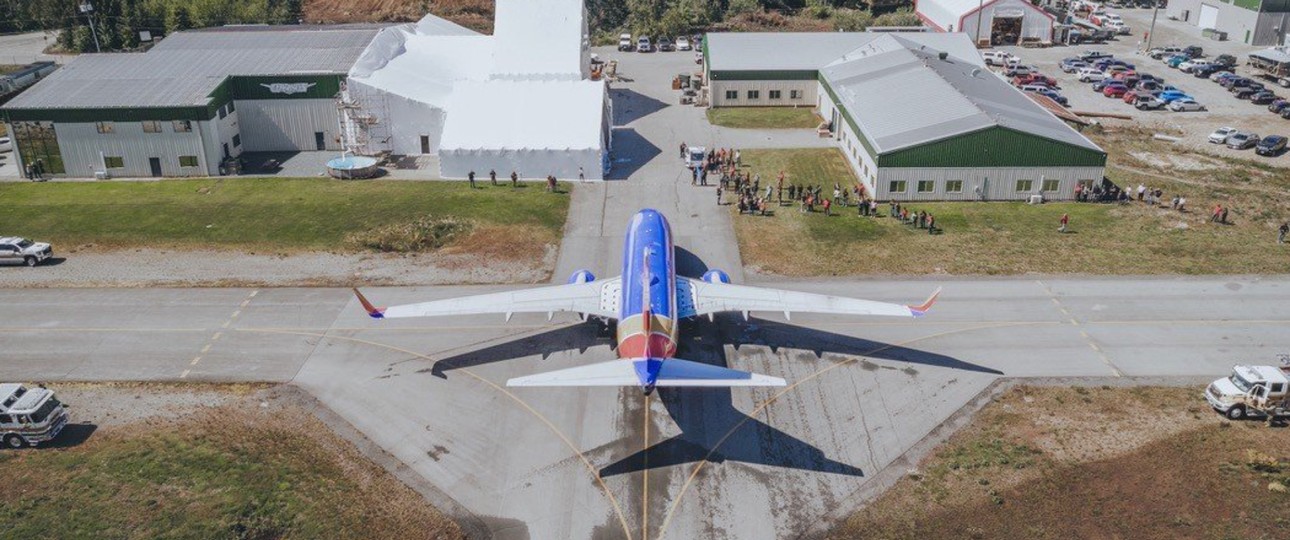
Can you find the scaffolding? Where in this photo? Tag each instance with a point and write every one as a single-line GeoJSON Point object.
{"type": "Point", "coordinates": [361, 128]}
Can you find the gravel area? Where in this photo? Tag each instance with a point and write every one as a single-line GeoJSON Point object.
{"type": "Point", "coordinates": [163, 268]}
{"type": "Point", "coordinates": [118, 404]}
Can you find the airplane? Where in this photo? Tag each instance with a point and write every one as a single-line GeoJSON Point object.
{"type": "Point", "coordinates": [648, 300]}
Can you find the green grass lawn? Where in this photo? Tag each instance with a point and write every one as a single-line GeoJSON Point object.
{"type": "Point", "coordinates": [228, 473]}
{"type": "Point", "coordinates": [263, 214]}
{"type": "Point", "coordinates": [993, 237]}
{"type": "Point", "coordinates": [764, 117]}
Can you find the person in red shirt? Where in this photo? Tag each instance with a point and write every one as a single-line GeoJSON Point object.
{"type": "Point", "coordinates": [1066, 220]}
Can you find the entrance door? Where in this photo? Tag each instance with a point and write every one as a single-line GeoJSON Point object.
{"type": "Point", "coordinates": [320, 140]}
{"type": "Point", "coordinates": [155, 165]}
{"type": "Point", "coordinates": [425, 144]}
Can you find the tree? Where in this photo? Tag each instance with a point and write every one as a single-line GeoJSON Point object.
{"type": "Point", "coordinates": [903, 17]}
{"type": "Point", "coordinates": [178, 18]}
{"type": "Point", "coordinates": [852, 20]}
{"type": "Point", "coordinates": [740, 7]}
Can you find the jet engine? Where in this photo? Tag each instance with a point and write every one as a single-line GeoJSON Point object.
{"type": "Point", "coordinates": [582, 276]}
{"type": "Point", "coordinates": [716, 276]}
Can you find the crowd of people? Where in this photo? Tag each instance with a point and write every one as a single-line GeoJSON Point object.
{"type": "Point", "coordinates": [552, 185]}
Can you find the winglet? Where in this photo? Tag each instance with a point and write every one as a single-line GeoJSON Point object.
{"type": "Point", "coordinates": [920, 310]}
{"type": "Point", "coordinates": [372, 311]}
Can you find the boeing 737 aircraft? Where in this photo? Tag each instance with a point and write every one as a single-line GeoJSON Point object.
{"type": "Point", "coordinates": [648, 300]}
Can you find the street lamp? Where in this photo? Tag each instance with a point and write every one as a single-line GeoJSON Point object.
{"type": "Point", "coordinates": [88, 9]}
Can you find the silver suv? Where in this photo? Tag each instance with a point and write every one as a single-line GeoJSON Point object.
{"type": "Point", "coordinates": [21, 250]}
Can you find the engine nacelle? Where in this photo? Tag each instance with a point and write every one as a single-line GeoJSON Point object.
{"type": "Point", "coordinates": [716, 276]}
{"type": "Point", "coordinates": [582, 276]}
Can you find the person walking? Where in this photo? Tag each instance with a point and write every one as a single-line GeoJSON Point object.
{"type": "Point", "coordinates": [827, 205]}
{"type": "Point", "coordinates": [492, 176]}
{"type": "Point", "coordinates": [931, 224]}
{"type": "Point", "coordinates": [1066, 219]}
{"type": "Point", "coordinates": [471, 177]}
{"type": "Point", "coordinates": [1222, 218]}
{"type": "Point", "coordinates": [684, 149]}
{"type": "Point", "coordinates": [1142, 190]}
{"type": "Point", "coordinates": [582, 176]}
{"type": "Point", "coordinates": [515, 179]}
{"type": "Point", "coordinates": [719, 190]}
{"type": "Point", "coordinates": [694, 176]}
{"type": "Point", "coordinates": [1281, 233]}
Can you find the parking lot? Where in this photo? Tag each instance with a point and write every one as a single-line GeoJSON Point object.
{"type": "Point", "coordinates": [1222, 108]}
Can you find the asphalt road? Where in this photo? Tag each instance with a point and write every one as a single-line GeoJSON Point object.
{"type": "Point", "coordinates": [611, 463]}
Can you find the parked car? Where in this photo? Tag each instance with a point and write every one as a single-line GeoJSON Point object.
{"type": "Point", "coordinates": [625, 42]}
{"type": "Point", "coordinates": [14, 249]}
{"type": "Point", "coordinates": [1089, 56]}
{"type": "Point", "coordinates": [1220, 135]}
{"type": "Point", "coordinates": [1285, 113]}
{"type": "Point", "coordinates": [665, 44]}
{"type": "Point", "coordinates": [1272, 145]}
{"type": "Point", "coordinates": [1176, 60]}
{"type": "Point", "coordinates": [1250, 85]}
{"type": "Point", "coordinates": [1244, 93]}
{"type": "Point", "coordinates": [1193, 51]}
{"type": "Point", "coordinates": [683, 44]}
{"type": "Point", "coordinates": [1050, 94]}
{"type": "Point", "coordinates": [6, 144]}
{"type": "Point", "coordinates": [1101, 85]}
{"type": "Point", "coordinates": [1186, 65]}
{"type": "Point", "coordinates": [1204, 71]}
{"type": "Point", "coordinates": [1225, 60]}
{"type": "Point", "coordinates": [1221, 75]}
{"type": "Point", "coordinates": [1151, 86]}
{"type": "Point", "coordinates": [1072, 65]}
{"type": "Point", "coordinates": [997, 58]}
{"type": "Point", "coordinates": [643, 45]}
{"type": "Point", "coordinates": [1185, 104]}
{"type": "Point", "coordinates": [1277, 105]}
{"type": "Point", "coordinates": [1169, 96]}
{"type": "Point", "coordinates": [1242, 140]}
{"type": "Point", "coordinates": [1035, 78]}
{"type": "Point", "coordinates": [1018, 70]}
{"type": "Point", "coordinates": [1148, 103]}
{"type": "Point", "coordinates": [1116, 89]}
{"type": "Point", "coordinates": [1089, 74]}
{"type": "Point", "coordinates": [1158, 53]}
{"type": "Point", "coordinates": [1263, 97]}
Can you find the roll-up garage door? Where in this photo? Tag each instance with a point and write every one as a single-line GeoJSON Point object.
{"type": "Point", "coordinates": [1208, 16]}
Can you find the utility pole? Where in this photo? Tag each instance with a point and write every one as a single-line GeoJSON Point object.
{"type": "Point", "coordinates": [88, 9]}
{"type": "Point", "coordinates": [980, 9]}
{"type": "Point", "coordinates": [1152, 32]}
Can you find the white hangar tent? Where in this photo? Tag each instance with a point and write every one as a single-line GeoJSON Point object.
{"type": "Point", "coordinates": [517, 100]}
{"type": "Point", "coordinates": [996, 22]}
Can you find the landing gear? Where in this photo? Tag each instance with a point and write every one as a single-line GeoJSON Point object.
{"type": "Point", "coordinates": [649, 390]}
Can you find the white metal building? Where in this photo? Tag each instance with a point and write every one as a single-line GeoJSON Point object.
{"type": "Point", "coordinates": [988, 22]}
{"type": "Point", "coordinates": [190, 105]}
{"type": "Point", "coordinates": [519, 100]}
{"type": "Point", "coordinates": [1254, 22]}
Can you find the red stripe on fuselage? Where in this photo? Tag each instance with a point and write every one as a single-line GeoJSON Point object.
{"type": "Point", "coordinates": [633, 346]}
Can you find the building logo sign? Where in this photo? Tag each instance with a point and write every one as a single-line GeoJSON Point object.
{"type": "Point", "coordinates": [288, 88]}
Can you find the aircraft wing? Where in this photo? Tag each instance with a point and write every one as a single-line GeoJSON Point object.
{"type": "Point", "coordinates": [705, 298]}
{"type": "Point", "coordinates": [599, 298]}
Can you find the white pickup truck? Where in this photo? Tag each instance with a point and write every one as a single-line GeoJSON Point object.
{"type": "Point", "coordinates": [1252, 391]}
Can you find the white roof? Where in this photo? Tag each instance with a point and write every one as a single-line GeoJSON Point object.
{"type": "Point", "coordinates": [1261, 373]}
{"type": "Point", "coordinates": [902, 94]}
{"type": "Point", "coordinates": [809, 51]}
{"type": "Point", "coordinates": [944, 13]}
{"type": "Point", "coordinates": [540, 39]}
{"type": "Point", "coordinates": [524, 115]}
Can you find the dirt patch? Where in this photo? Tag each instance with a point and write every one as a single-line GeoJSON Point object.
{"type": "Point", "coordinates": [473, 14]}
{"type": "Point", "coordinates": [220, 462]}
{"type": "Point", "coordinates": [1056, 462]}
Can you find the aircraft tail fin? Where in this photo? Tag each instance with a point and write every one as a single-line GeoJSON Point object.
{"type": "Point", "coordinates": [647, 372]}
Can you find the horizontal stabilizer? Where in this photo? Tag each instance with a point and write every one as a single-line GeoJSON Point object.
{"type": "Point", "coordinates": [624, 372]}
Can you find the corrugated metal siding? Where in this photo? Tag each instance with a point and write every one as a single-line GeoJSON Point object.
{"type": "Point", "coordinates": [107, 114]}
{"type": "Point", "coordinates": [993, 183]}
{"type": "Point", "coordinates": [862, 165]}
{"type": "Point", "coordinates": [81, 145]}
{"type": "Point", "coordinates": [718, 93]}
{"type": "Point", "coordinates": [768, 75]}
{"type": "Point", "coordinates": [846, 116]}
{"type": "Point", "coordinates": [994, 147]}
{"type": "Point", "coordinates": [283, 125]}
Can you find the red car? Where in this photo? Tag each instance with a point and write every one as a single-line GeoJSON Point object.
{"type": "Point", "coordinates": [1130, 96]}
{"type": "Point", "coordinates": [1122, 75]}
{"type": "Point", "coordinates": [1115, 90]}
{"type": "Point", "coordinates": [1035, 78]}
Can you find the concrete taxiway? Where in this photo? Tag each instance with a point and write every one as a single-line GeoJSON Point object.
{"type": "Point", "coordinates": [611, 463]}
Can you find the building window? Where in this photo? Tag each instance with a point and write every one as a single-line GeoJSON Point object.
{"type": "Point", "coordinates": [732, 94]}
{"type": "Point", "coordinates": [105, 127]}
{"type": "Point", "coordinates": [794, 94]}
{"type": "Point", "coordinates": [231, 108]}
{"type": "Point", "coordinates": [1024, 186]}
{"type": "Point", "coordinates": [38, 144]}
{"type": "Point", "coordinates": [113, 162]}
{"type": "Point", "coordinates": [754, 94]}
{"type": "Point", "coordinates": [896, 186]}
{"type": "Point", "coordinates": [954, 186]}
{"type": "Point", "coordinates": [237, 141]}
{"type": "Point", "coordinates": [926, 186]}
{"type": "Point", "coordinates": [223, 113]}
{"type": "Point", "coordinates": [183, 126]}
{"type": "Point", "coordinates": [776, 94]}
{"type": "Point", "coordinates": [151, 126]}
{"type": "Point", "coordinates": [187, 161]}
{"type": "Point", "coordinates": [1050, 185]}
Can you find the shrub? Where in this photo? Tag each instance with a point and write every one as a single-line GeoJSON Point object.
{"type": "Point", "coordinates": [424, 234]}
